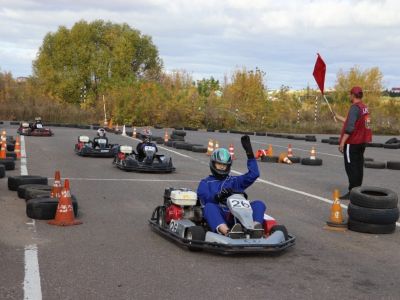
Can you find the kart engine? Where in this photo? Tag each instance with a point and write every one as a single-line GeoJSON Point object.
{"type": "Point", "coordinates": [176, 212]}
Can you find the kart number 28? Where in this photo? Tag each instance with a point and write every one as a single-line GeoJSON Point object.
{"type": "Point", "coordinates": [240, 203]}
{"type": "Point", "coordinates": [173, 226]}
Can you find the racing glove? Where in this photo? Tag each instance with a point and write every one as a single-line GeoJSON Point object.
{"type": "Point", "coordinates": [247, 146]}
{"type": "Point", "coordinates": [223, 194]}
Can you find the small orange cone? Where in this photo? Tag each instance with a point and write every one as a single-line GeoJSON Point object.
{"type": "Point", "coordinates": [166, 137]}
{"type": "Point", "coordinates": [289, 151]}
{"type": "Point", "coordinates": [65, 210]}
{"type": "Point", "coordinates": [210, 147]}
{"type": "Point", "coordinates": [216, 145]}
{"type": "Point", "coordinates": [336, 218]}
{"type": "Point", "coordinates": [3, 151]}
{"type": "Point", "coordinates": [17, 148]}
{"type": "Point", "coordinates": [56, 189]}
{"type": "Point", "coordinates": [232, 151]}
{"type": "Point", "coordinates": [313, 153]}
{"type": "Point", "coordinates": [283, 158]}
{"type": "Point", "coordinates": [134, 133]}
{"type": "Point", "coordinates": [270, 151]}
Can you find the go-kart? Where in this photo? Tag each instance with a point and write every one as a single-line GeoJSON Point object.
{"type": "Point", "coordinates": [86, 147]}
{"type": "Point", "coordinates": [129, 160]}
{"type": "Point", "coordinates": [33, 130]}
{"type": "Point", "coordinates": [181, 220]}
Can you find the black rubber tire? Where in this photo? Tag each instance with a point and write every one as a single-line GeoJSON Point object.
{"type": "Point", "coordinates": [261, 133]}
{"type": "Point", "coordinates": [22, 189]}
{"type": "Point", "coordinates": [392, 146]}
{"type": "Point", "coordinates": [15, 181]}
{"type": "Point", "coordinates": [195, 233]}
{"type": "Point", "coordinates": [299, 138]}
{"type": "Point", "coordinates": [393, 165]}
{"type": "Point", "coordinates": [199, 149]}
{"type": "Point", "coordinates": [373, 215]}
{"type": "Point", "coordinates": [333, 142]}
{"type": "Point", "coordinates": [161, 217]}
{"type": "Point", "coordinates": [8, 163]}
{"type": "Point", "coordinates": [368, 159]}
{"type": "Point", "coordinates": [210, 130]}
{"type": "Point", "coordinates": [31, 193]}
{"type": "Point", "coordinates": [375, 164]}
{"type": "Point", "coordinates": [223, 131]}
{"type": "Point", "coordinates": [45, 208]}
{"type": "Point", "coordinates": [2, 171]}
{"type": "Point", "coordinates": [270, 159]}
{"type": "Point", "coordinates": [374, 145]}
{"type": "Point", "coordinates": [334, 138]}
{"type": "Point", "coordinates": [169, 143]}
{"type": "Point", "coordinates": [325, 141]}
{"type": "Point", "coordinates": [295, 159]}
{"type": "Point", "coordinates": [311, 139]}
{"type": "Point", "coordinates": [373, 197]}
{"type": "Point", "coordinates": [370, 228]}
{"type": "Point", "coordinates": [12, 155]}
{"type": "Point", "coordinates": [10, 147]}
{"type": "Point", "coordinates": [180, 145]}
{"type": "Point", "coordinates": [179, 132]}
{"type": "Point", "coordinates": [280, 228]}
{"type": "Point", "coordinates": [177, 138]}
{"type": "Point", "coordinates": [187, 146]}
{"type": "Point", "coordinates": [311, 162]}
{"type": "Point", "coordinates": [392, 141]}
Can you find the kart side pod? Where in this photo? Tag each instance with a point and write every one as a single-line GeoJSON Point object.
{"type": "Point", "coordinates": [83, 139]}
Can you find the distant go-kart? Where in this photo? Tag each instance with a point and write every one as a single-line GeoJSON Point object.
{"type": "Point", "coordinates": [128, 160]}
{"type": "Point", "coordinates": [31, 130]}
{"type": "Point", "coordinates": [85, 147]}
{"type": "Point", "coordinates": [180, 219]}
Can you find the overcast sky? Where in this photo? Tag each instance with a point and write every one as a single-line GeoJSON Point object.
{"type": "Point", "coordinates": [214, 37]}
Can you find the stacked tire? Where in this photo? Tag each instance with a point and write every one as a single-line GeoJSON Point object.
{"type": "Point", "coordinates": [373, 210]}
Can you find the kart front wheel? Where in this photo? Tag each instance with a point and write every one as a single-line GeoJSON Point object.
{"type": "Point", "coordinates": [195, 233]}
{"type": "Point", "coordinates": [280, 228]}
{"type": "Point", "coordinates": [161, 217]}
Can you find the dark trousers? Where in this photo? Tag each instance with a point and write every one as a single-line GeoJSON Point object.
{"type": "Point", "coordinates": [354, 163]}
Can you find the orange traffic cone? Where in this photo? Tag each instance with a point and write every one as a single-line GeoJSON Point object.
{"type": "Point", "coordinates": [270, 151]}
{"type": "Point", "coordinates": [232, 151]}
{"type": "Point", "coordinates": [65, 210]}
{"type": "Point", "coordinates": [210, 147]}
{"type": "Point", "coordinates": [56, 189]}
{"type": "Point", "coordinates": [313, 153]}
{"type": "Point", "coordinates": [3, 151]}
{"type": "Point", "coordinates": [336, 218]}
{"type": "Point", "coordinates": [166, 137]}
{"type": "Point", "coordinates": [289, 151]}
{"type": "Point", "coordinates": [216, 145]}
{"type": "Point", "coordinates": [283, 158]}
{"type": "Point", "coordinates": [134, 133]}
{"type": "Point", "coordinates": [17, 148]}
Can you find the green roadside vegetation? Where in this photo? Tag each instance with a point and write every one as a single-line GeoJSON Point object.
{"type": "Point", "coordinates": [77, 68]}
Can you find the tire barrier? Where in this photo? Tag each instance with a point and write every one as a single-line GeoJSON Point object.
{"type": "Point", "coordinates": [8, 163]}
{"type": "Point", "coordinates": [375, 164]}
{"type": "Point", "coordinates": [373, 210]}
{"type": "Point", "coordinates": [44, 208]}
{"type": "Point", "coordinates": [15, 181]}
{"type": "Point", "coordinates": [2, 171]}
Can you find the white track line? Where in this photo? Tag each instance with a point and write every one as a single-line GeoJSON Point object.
{"type": "Point", "coordinates": [32, 286]}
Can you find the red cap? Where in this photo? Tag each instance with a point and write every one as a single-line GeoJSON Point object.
{"type": "Point", "coordinates": [356, 90]}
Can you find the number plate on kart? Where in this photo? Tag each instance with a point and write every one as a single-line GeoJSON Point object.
{"type": "Point", "coordinates": [238, 202]}
{"type": "Point", "coordinates": [149, 148]}
{"type": "Point", "coordinates": [102, 141]}
{"type": "Point", "coordinates": [104, 150]}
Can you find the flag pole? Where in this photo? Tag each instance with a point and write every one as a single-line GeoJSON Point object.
{"type": "Point", "coordinates": [330, 108]}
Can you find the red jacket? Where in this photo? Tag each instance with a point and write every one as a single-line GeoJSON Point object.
{"type": "Point", "coordinates": [362, 132]}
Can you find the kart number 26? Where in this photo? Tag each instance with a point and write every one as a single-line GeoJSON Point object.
{"type": "Point", "coordinates": [240, 203]}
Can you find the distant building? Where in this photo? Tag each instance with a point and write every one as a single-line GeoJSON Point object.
{"type": "Point", "coordinates": [22, 79]}
{"type": "Point", "coordinates": [395, 90]}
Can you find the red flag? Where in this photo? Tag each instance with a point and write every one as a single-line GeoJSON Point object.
{"type": "Point", "coordinates": [319, 73]}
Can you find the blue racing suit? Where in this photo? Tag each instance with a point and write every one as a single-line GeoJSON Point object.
{"type": "Point", "coordinates": [216, 213]}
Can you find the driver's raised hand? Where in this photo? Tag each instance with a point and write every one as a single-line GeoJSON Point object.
{"type": "Point", "coordinates": [247, 146]}
{"type": "Point", "coordinates": [223, 194]}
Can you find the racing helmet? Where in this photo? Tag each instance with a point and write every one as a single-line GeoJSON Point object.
{"type": "Point", "coordinates": [146, 135]}
{"type": "Point", "coordinates": [101, 132]}
{"type": "Point", "coordinates": [221, 156]}
{"type": "Point", "coordinates": [38, 120]}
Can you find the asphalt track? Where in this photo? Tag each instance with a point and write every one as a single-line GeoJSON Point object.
{"type": "Point", "coordinates": [115, 255]}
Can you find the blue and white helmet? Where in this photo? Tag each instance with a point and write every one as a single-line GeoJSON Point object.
{"type": "Point", "coordinates": [222, 156]}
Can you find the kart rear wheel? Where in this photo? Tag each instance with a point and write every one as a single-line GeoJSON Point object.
{"type": "Point", "coordinates": [161, 217]}
{"type": "Point", "coordinates": [195, 233]}
{"type": "Point", "coordinates": [280, 228]}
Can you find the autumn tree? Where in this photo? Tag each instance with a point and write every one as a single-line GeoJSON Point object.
{"type": "Point", "coordinates": [93, 57]}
